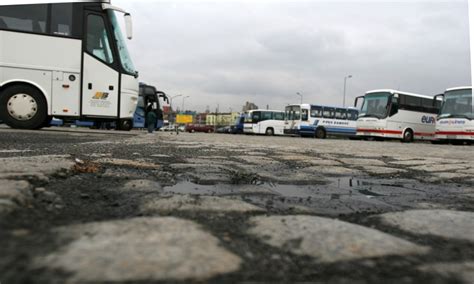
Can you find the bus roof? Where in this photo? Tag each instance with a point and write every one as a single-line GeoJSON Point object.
{"type": "Point", "coordinates": [391, 91]}
{"type": "Point", "coordinates": [26, 2]}
{"type": "Point", "coordinates": [309, 105]}
{"type": "Point", "coordinates": [459, 88]}
{"type": "Point", "coordinates": [251, 110]}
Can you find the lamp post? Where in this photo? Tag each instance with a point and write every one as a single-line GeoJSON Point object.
{"type": "Point", "coordinates": [344, 96]}
{"type": "Point", "coordinates": [171, 105]}
{"type": "Point", "coordinates": [301, 97]}
{"type": "Point", "coordinates": [182, 105]}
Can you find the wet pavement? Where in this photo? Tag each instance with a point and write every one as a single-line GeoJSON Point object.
{"type": "Point", "coordinates": [104, 206]}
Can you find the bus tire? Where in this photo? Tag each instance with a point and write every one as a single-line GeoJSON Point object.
{"type": "Point", "coordinates": [320, 133]}
{"type": "Point", "coordinates": [407, 136]}
{"type": "Point", "coordinates": [23, 107]}
{"type": "Point", "coordinates": [269, 132]}
{"type": "Point", "coordinates": [124, 125]}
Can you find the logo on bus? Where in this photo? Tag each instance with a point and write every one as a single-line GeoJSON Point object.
{"type": "Point", "coordinates": [428, 119]}
{"type": "Point", "coordinates": [100, 96]}
{"type": "Point", "coordinates": [452, 121]}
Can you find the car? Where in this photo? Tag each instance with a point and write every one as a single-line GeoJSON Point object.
{"type": "Point", "coordinates": [199, 128]}
{"type": "Point", "coordinates": [170, 127]}
{"type": "Point", "coordinates": [225, 129]}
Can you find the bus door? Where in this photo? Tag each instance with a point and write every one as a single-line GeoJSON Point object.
{"type": "Point", "coordinates": [100, 82]}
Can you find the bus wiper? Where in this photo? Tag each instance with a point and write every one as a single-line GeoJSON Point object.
{"type": "Point", "coordinates": [460, 116]}
{"type": "Point", "coordinates": [369, 115]}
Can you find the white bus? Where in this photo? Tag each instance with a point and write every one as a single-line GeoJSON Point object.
{"type": "Point", "coordinates": [397, 115]}
{"type": "Point", "coordinates": [319, 121]}
{"type": "Point", "coordinates": [263, 121]}
{"type": "Point", "coordinates": [65, 59]}
{"type": "Point", "coordinates": [455, 122]}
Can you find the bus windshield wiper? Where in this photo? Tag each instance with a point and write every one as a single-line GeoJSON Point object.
{"type": "Point", "coordinates": [370, 115]}
{"type": "Point", "coordinates": [461, 116]}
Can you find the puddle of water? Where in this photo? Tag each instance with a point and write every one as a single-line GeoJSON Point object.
{"type": "Point", "coordinates": [335, 188]}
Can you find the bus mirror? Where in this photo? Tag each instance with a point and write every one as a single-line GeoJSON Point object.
{"type": "Point", "coordinates": [435, 98]}
{"type": "Point", "coordinates": [128, 26]}
{"type": "Point", "coordinates": [357, 100]}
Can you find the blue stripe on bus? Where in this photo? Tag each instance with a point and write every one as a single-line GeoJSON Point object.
{"type": "Point", "coordinates": [342, 130]}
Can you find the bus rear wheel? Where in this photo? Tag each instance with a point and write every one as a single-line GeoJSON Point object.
{"type": "Point", "coordinates": [269, 132]}
{"type": "Point", "coordinates": [407, 136]}
{"type": "Point", "coordinates": [320, 133]}
{"type": "Point", "coordinates": [23, 107]}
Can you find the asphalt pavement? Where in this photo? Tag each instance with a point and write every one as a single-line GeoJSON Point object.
{"type": "Point", "coordinates": [91, 206]}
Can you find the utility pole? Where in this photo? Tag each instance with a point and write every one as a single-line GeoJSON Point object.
{"type": "Point", "coordinates": [344, 95]}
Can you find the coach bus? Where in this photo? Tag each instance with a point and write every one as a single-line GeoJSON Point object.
{"type": "Point", "coordinates": [319, 121]}
{"type": "Point", "coordinates": [263, 121]}
{"type": "Point", "coordinates": [455, 122]}
{"type": "Point", "coordinates": [65, 59]}
{"type": "Point", "coordinates": [149, 100]}
{"type": "Point", "coordinates": [391, 114]}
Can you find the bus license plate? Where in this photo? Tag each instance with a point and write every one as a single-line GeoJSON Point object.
{"type": "Point", "coordinates": [452, 137]}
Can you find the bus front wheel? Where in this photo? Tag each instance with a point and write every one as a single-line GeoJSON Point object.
{"type": "Point", "coordinates": [408, 136]}
{"type": "Point", "coordinates": [23, 107]}
{"type": "Point", "coordinates": [320, 133]}
{"type": "Point", "coordinates": [269, 132]}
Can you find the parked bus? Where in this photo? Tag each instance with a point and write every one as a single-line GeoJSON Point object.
{"type": "Point", "coordinates": [319, 121]}
{"type": "Point", "coordinates": [455, 122]}
{"type": "Point", "coordinates": [397, 115]}
{"type": "Point", "coordinates": [149, 100]}
{"type": "Point", "coordinates": [66, 59]}
{"type": "Point", "coordinates": [238, 127]}
{"type": "Point", "coordinates": [263, 121]}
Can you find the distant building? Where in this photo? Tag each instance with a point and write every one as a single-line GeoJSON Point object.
{"type": "Point", "coordinates": [249, 106]}
{"type": "Point", "coordinates": [222, 119]}
{"type": "Point", "coordinates": [200, 118]}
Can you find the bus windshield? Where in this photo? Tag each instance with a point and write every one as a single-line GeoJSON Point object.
{"type": "Point", "coordinates": [292, 112]}
{"type": "Point", "coordinates": [125, 58]}
{"type": "Point", "coordinates": [457, 104]}
{"type": "Point", "coordinates": [375, 105]}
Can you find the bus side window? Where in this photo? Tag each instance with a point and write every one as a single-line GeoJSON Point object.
{"type": "Point", "coordinates": [28, 18]}
{"type": "Point", "coordinates": [316, 111]}
{"type": "Point", "coordinates": [328, 112]}
{"type": "Point", "coordinates": [394, 106]}
{"type": "Point", "coordinates": [353, 114]}
{"type": "Point", "coordinates": [278, 116]}
{"type": "Point", "coordinates": [304, 115]}
{"type": "Point", "coordinates": [61, 19]}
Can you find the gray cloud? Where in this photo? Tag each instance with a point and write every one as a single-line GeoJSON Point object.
{"type": "Point", "coordinates": [265, 52]}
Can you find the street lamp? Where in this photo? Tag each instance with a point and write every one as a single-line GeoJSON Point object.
{"type": "Point", "coordinates": [344, 97]}
{"type": "Point", "coordinates": [171, 100]}
{"type": "Point", "coordinates": [182, 105]}
{"type": "Point", "coordinates": [171, 105]}
{"type": "Point", "coordinates": [301, 96]}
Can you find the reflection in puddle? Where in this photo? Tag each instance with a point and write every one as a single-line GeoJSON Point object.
{"type": "Point", "coordinates": [336, 188]}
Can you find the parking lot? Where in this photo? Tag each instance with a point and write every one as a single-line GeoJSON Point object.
{"type": "Point", "coordinates": [95, 206]}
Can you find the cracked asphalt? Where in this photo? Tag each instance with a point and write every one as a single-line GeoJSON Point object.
{"type": "Point", "coordinates": [84, 206]}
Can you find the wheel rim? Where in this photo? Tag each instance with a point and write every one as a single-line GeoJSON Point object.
{"type": "Point", "coordinates": [408, 136]}
{"type": "Point", "coordinates": [320, 133]}
{"type": "Point", "coordinates": [22, 107]}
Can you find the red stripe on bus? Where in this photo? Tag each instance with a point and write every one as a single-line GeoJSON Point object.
{"type": "Point", "coordinates": [454, 133]}
{"type": "Point", "coordinates": [424, 134]}
{"type": "Point", "coordinates": [379, 131]}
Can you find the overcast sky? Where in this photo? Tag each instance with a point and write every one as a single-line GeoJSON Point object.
{"type": "Point", "coordinates": [231, 52]}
